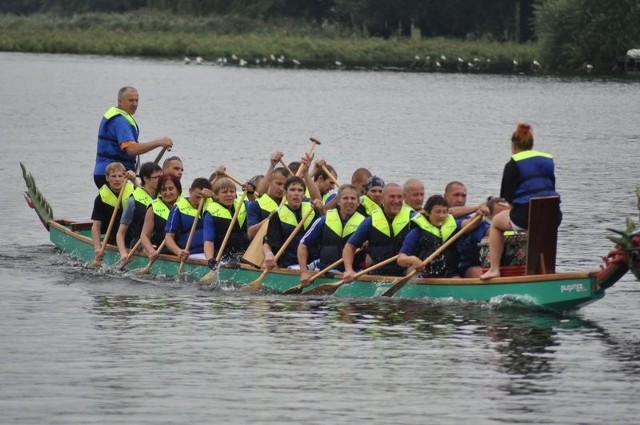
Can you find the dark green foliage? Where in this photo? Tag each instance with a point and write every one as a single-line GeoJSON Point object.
{"type": "Point", "coordinates": [575, 33]}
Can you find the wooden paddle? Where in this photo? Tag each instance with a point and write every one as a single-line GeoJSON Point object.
{"type": "Point", "coordinates": [254, 254]}
{"type": "Point", "coordinates": [208, 278]}
{"type": "Point", "coordinates": [147, 268]}
{"type": "Point", "coordinates": [235, 179]}
{"type": "Point", "coordinates": [130, 254]}
{"type": "Point", "coordinates": [298, 288]}
{"type": "Point", "coordinates": [97, 263]}
{"type": "Point", "coordinates": [256, 284]}
{"type": "Point", "coordinates": [331, 176]}
{"type": "Point", "coordinates": [287, 167]}
{"type": "Point", "coordinates": [399, 283]}
{"type": "Point", "coordinates": [192, 232]}
{"type": "Point", "coordinates": [330, 288]}
{"type": "Point", "coordinates": [159, 157]}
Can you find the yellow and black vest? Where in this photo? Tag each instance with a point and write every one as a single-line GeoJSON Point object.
{"type": "Point", "coordinates": [335, 235]}
{"type": "Point", "coordinates": [432, 238]}
{"type": "Point", "coordinates": [386, 237]}
{"type": "Point", "coordinates": [238, 239]}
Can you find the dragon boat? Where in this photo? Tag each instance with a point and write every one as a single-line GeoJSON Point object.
{"type": "Point", "coordinates": [535, 285]}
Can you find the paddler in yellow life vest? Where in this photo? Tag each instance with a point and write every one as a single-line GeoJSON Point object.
{"type": "Point", "coordinates": [359, 179]}
{"type": "Point", "coordinates": [217, 218]}
{"type": "Point", "coordinates": [118, 137]}
{"type": "Point", "coordinates": [155, 219]}
{"type": "Point", "coordinates": [136, 207]}
{"type": "Point", "coordinates": [105, 203]}
{"type": "Point", "coordinates": [181, 219]}
{"type": "Point", "coordinates": [433, 229]}
{"type": "Point", "coordinates": [385, 230]}
{"type": "Point", "coordinates": [330, 233]}
{"type": "Point", "coordinates": [413, 191]}
{"type": "Point", "coordinates": [273, 184]}
{"type": "Point", "coordinates": [284, 221]}
{"type": "Point", "coordinates": [259, 210]}
{"type": "Point", "coordinates": [326, 185]}
{"type": "Point", "coordinates": [372, 199]}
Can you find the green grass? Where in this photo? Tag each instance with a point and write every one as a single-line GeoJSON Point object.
{"type": "Point", "coordinates": [167, 36]}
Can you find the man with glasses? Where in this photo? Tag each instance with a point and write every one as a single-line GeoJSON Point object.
{"type": "Point", "coordinates": [136, 207]}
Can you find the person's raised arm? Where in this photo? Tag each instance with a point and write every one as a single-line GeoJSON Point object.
{"type": "Point", "coordinates": [263, 186]}
{"type": "Point", "coordinates": [305, 163]}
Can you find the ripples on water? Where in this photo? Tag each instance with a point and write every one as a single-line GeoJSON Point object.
{"type": "Point", "coordinates": [87, 347]}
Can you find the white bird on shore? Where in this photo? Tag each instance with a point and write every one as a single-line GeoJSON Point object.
{"type": "Point", "coordinates": [187, 60]}
{"type": "Point", "coordinates": [296, 62]}
{"type": "Point", "coordinates": [338, 63]}
{"type": "Point", "coordinates": [243, 62]}
{"type": "Point", "coordinates": [199, 60]}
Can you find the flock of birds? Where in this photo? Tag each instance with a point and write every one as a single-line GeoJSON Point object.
{"type": "Point", "coordinates": [427, 64]}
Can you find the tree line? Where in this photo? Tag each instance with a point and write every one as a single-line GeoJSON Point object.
{"type": "Point", "coordinates": [501, 20]}
{"type": "Point", "coordinates": [571, 33]}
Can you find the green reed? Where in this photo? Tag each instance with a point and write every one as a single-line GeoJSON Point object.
{"type": "Point", "coordinates": [152, 34]}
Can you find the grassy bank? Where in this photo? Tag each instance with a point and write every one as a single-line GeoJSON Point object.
{"type": "Point", "coordinates": [244, 42]}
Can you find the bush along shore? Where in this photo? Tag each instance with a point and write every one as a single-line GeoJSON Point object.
{"type": "Point", "coordinates": [229, 41]}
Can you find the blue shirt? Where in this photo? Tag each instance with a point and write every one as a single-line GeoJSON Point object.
{"type": "Point", "coordinates": [314, 233]}
{"type": "Point", "coordinates": [254, 213]}
{"type": "Point", "coordinates": [180, 224]}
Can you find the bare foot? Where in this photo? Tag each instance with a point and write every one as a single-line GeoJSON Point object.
{"type": "Point", "coordinates": [490, 274]}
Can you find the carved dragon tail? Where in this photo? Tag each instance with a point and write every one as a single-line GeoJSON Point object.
{"type": "Point", "coordinates": [35, 199]}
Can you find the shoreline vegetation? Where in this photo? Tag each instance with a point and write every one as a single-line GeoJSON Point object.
{"type": "Point", "coordinates": [239, 41]}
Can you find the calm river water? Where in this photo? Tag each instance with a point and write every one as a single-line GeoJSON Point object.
{"type": "Point", "coordinates": [81, 347]}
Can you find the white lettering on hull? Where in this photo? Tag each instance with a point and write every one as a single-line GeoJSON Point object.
{"type": "Point", "coordinates": [574, 287]}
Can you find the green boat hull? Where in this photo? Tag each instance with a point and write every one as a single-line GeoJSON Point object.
{"type": "Point", "coordinates": [78, 244]}
{"type": "Point", "coordinates": [559, 292]}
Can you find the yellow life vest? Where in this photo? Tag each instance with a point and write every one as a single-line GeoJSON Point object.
{"type": "Point", "coordinates": [288, 217]}
{"type": "Point", "coordinates": [444, 232]}
{"type": "Point", "coordinates": [218, 210]}
{"type": "Point", "coordinates": [333, 221]}
{"type": "Point", "coordinates": [369, 205]}
{"type": "Point", "coordinates": [400, 221]}
{"type": "Point", "coordinates": [108, 197]}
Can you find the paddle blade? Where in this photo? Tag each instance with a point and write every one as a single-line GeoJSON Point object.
{"type": "Point", "coordinates": [326, 289]}
{"type": "Point", "coordinates": [208, 278]}
{"type": "Point", "coordinates": [294, 290]}
{"type": "Point", "coordinates": [256, 284]}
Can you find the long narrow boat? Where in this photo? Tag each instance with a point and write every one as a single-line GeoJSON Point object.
{"type": "Point", "coordinates": [555, 291]}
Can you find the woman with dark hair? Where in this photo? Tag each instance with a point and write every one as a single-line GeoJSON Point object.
{"type": "Point", "coordinates": [528, 174]}
{"type": "Point", "coordinates": [155, 220]}
{"type": "Point", "coordinates": [433, 229]}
